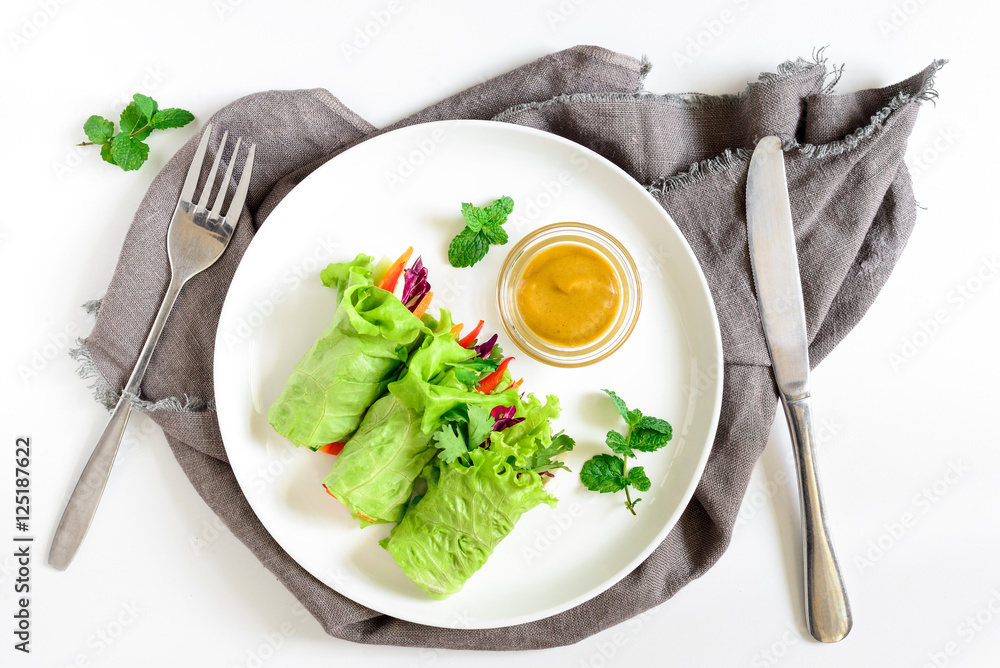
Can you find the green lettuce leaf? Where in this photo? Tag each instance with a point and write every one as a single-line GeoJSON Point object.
{"type": "Point", "coordinates": [374, 474]}
{"type": "Point", "coordinates": [450, 533]}
{"type": "Point", "coordinates": [519, 443]}
{"type": "Point", "coordinates": [351, 363]}
{"type": "Point", "coordinates": [431, 387]}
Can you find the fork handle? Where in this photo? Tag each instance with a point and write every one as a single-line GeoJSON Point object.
{"type": "Point", "coordinates": [83, 502]}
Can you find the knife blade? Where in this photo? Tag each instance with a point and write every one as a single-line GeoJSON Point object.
{"type": "Point", "coordinates": [774, 261]}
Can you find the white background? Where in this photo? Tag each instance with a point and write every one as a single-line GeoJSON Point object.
{"type": "Point", "coordinates": [908, 450]}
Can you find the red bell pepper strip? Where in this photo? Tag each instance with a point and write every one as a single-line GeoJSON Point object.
{"type": "Point", "coordinates": [488, 384]}
{"type": "Point", "coordinates": [469, 339]}
{"type": "Point", "coordinates": [332, 448]}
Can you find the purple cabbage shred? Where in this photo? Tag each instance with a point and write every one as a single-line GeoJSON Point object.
{"type": "Point", "coordinates": [415, 285]}
{"type": "Point", "coordinates": [504, 417]}
{"type": "Point", "coordinates": [484, 349]}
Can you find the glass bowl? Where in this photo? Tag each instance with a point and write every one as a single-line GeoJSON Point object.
{"type": "Point", "coordinates": [625, 275]}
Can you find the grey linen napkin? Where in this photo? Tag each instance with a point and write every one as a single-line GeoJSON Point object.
{"type": "Point", "coordinates": [852, 204]}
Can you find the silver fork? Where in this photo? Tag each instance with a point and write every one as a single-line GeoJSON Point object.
{"type": "Point", "coordinates": [195, 239]}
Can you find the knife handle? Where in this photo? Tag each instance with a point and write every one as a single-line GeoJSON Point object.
{"type": "Point", "coordinates": [828, 613]}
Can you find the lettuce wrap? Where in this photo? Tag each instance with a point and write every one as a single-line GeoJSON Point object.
{"type": "Point", "coordinates": [352, 362]}
{"type": "Point", "coordinates": [449, 533]}
{"type": "Point", "coordinates": [375, 473]}
{"type": "Point", "coordinates": [476, 494]}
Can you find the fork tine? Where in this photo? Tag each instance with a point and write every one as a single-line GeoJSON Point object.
{"type": "Point", "coordinates": [194, 171]}
{"type": "Point", "coordinates": [241, 190]}
{"type": "Point", "coordinates": [225, 181]}
{"type": "Point", "coordinates": [210, 181]}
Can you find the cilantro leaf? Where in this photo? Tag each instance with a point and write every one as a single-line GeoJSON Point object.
{"type": "Point", "coordinates": [480, 424]}
{"type": "Point", "coordinates": [541, 460]}
{"type": "Point", "coordinates": [170, 118]}
{"type": "Point", "coordinates": [129, 153]}
{"type": "Point", "coordinates": [483, 228]}
{"type": "Point", "coordinates": [604, 473]}
{"type": "Point", "coordinates": [99, 129]}
{"type": "Point", "coordinates": [453, 445]}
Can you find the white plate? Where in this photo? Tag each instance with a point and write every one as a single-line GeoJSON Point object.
{"type": "Point", "coordinates": [405, 188]}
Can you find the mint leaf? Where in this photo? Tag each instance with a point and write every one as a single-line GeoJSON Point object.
{"type": "Point", "coordinates": [645, 434]}
{"type": "Point", "coordinates": [604, 474]}
{"type": "Point", "coordinates": [655, 424]}
{"type": "Point", "coordinates": [647, 440]}
{"type": "Point", "coordinates": [138, 120]}
{"type": "Point", "coordinates": [134, 123]}
{"type": "Point", "coordinates": [99, 129]}
{"type": "Point", "coordinates": [637, 478]}
{"type": "Point", "coordinates": [619, 404]}
{"type": "Point", "coordinates": [453, 445]}
{"type": "Point", "coordinates": [618, 444]}
{"type": "Point", "coordinates": [106, 152]}
{"type": "Point", "coordinates": [495, 235]}
{"type": "Point", "coordinates": [128, 153]}
{"type": "Point", "coordinates": [171, 118]}
{"type": "Point", "coordinates": [467, 248]}
{"type": "Point", "coordinates": [475, 217]}
{"type": "Point", "coordinates": [146, 105]}
{"type": "Point", "coordinates": [483, 228]}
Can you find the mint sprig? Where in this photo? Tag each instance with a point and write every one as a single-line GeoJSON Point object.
{"type": "Point", "coordinates": [126, 148]}
{"type": "Point", "coordinates": [483, 228]}
{"type": "Point", "coordinates": [610, 473]}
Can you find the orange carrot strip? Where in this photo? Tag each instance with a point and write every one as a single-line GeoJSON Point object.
{"type": "Point", "coordinates": [471, 338]}
{"type": "Point", "coordinates": [456, 331]}
{"type": "Point", "coordinates": [423, 305]}
{"type": "Point", "coordinates": [392, 275]}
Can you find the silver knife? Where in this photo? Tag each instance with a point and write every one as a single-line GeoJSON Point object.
{"type": "Point", "coordinates": [779, 295]}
